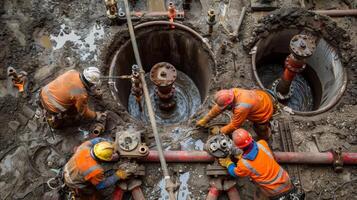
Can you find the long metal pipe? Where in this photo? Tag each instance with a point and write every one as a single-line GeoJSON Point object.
{"type": "Point", "coordinates": [282, 157]}
{"type": "Point", "coordinates": [168, 181]}
{"type": "Point", "coordinates": [337, 13]}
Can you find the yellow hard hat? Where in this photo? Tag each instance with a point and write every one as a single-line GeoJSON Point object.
{"type": "Point", "coordinates": [104, 150]}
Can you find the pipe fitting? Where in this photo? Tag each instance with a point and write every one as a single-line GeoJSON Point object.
{"type": "Point", "coordinates": [211, 20]}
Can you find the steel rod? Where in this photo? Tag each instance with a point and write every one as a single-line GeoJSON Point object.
{"type": "Point", "coordinates": [337, 13]}
{"type": "Point", "coordinates": [168, 181]}
{"type": "Point", "coordinates": [349, 158]}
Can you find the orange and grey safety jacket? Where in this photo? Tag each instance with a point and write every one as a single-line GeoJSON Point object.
{"type": "Point", "coordinates": [65, 92]}
{"type": "Point", "coordinates": [254, 105]}
{"type": "Point", "coordinates": [83, 169]}
{"type": "Point", "coordinates": [260, 165]}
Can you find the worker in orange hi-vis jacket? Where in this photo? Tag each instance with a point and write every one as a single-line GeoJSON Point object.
{"type": "Point", "coordinates": [67, 96]}
{"type": "Point", "coordinates": [257, 162]}
{"type": "Point", "coordinates": [254, 105]}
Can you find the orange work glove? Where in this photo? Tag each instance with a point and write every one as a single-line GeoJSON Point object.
{"type": "Point", "coordinates": [225, 162]}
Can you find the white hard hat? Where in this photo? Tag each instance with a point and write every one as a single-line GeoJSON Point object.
{"type": "Point", "coordinates": [92, 75]}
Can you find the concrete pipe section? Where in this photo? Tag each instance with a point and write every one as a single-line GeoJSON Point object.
{"type": "Point", "coordinates": [178, 65]}
{"type": "Point", "coordinates": [317, 89]}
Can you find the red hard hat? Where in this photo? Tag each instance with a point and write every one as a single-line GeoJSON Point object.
{"type": "Point", "coordinates": [242, 138]}
{"type": "Point", "coordinates": [223, 98]}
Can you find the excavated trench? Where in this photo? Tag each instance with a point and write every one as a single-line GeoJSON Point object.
{"type": "Point", "coordinates": [317, 89]}
{"type": "Point", "coordinates": [183, 48]}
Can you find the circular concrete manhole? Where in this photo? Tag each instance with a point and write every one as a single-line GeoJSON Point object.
{"type": "Point", "coordinates": [317, 89]}
{"type": "Point", "coordinates": [180, 47]}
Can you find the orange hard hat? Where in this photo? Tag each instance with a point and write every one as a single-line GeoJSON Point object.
{"type": "Point", "coordinates": [223, 98]}
{"type": "Point", "coordinates": [242, 138]}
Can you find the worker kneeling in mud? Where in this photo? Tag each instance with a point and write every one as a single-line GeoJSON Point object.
{"type": "Point", "coordinates": [258, 163]}
{"type": "Point", "coordinates": [256, 105]}
{"type": "Point", "coordinates": [85, 172]}
{"type": "Point", "coordinates": [67, 96]}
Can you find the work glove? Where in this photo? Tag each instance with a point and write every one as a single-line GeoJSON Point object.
{"type": "Point", "coordinates": [225, 162]}
{"type": "Point", "coordinates": [126, 169]}
{"type": "Point", "coordinates": [215, 130]}
{"type": "Point", "coordinates": [121, 173]}
{"type": "Point", "coordinates": [202, 122]}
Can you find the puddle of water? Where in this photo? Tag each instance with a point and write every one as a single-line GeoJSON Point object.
{"type": "Point", "coordinates": [87, 46]}
{"type": "Point", "coordinates": [183, 192]}
{"type": "Point", "coordinates": [187, 97]}
{"type": "Point", "coordinates": [191, 144]}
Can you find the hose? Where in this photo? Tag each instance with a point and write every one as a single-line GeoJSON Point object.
{"type": "Point", "coordinates": [169, 184]}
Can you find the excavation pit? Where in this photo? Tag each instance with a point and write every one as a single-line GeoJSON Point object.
{"type": "Point", "coordinates": [181, 47]}
{"type": "Point", "coordinates": [317, 89]}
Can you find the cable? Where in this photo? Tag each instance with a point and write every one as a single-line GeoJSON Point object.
{"type": "Point", "coordinates": [169, 184]}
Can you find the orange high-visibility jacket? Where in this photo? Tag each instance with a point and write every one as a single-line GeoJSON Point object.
{"type": "Point", "coordinates": [82, 168]}
{"type": "Point", "coordinates": [254, 105]}
{"type": "Point", "coordinates": [265, 171]}
{"type": "Point", "coordinates": [65, 92]}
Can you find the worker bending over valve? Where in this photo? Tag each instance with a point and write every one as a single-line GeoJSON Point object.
{"type": "Point", "coordinates": [258, 163]}
{"type": "Point", "coordinates": [84, 172]}
{"type": "Point", "coordinates": [67, 96]}
{"type": "Point", "coordinates": [256, 105]}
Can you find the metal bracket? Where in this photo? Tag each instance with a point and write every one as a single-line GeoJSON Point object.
{"type": "Point", "coordinates": [337, 160]}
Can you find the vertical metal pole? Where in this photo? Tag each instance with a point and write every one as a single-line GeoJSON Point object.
{"type": "Point", "coordinates": [169, 184]}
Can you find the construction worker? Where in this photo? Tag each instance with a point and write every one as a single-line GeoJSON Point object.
{"type": "Point", "coordinates": [255, 105]}
{"type": "Point", "coordinates": [257, 162]}
{"type": "Point", "coordinates": [84, 172]}
{"type": "Point", "coordinates": [67, 95]}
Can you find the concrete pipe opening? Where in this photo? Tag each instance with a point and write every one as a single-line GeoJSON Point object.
{"type": "Point", "coordinates": [317, 89]}
{"type": "Point", "coordinates": [160, 44]}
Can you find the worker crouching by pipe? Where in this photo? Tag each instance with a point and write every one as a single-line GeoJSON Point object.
{"type": "Point", "coordinates": [258, 163]}
{"type": "Point", "coordinates": [65, 99]}
{"type": "Point", "coordinates": [85, 171]}
{"type": "Point", "coordinates": [257, 106]}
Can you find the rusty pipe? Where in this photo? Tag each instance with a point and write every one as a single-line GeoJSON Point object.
{"type": "Point", "coordinates": [118, 194]}
{"type": "Point", "coordinates": [213, 193]}
{"type": "Point", "coordinates": [137, 194]}
{"type": "Point", "coordinates": [99, 127]}
{"type": "Point", "coordinates": [348, 158]}
{"type": "Point", "coordinates": [233, 194]}
{"type": "Point", "coordinates": [337, 13]}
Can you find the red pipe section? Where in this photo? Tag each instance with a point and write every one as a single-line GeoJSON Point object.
{"type": "Point", "coordinates": [281, 157]}
{"type": "Point", "coordinates": [337, 13]}
{"type": "Point", "coordinates": [118, 194]}
{"type": "Point", "coordinates": [233, 194]}
{"type": "Point", "coordinates": [213, 194]}
{"type": "Point", "coordinates": [180, 156]}
{"type": "Point", "coordinates": [137, 194]}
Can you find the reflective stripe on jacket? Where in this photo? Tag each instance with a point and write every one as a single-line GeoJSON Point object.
{"type": "Point", "coordinates": [265, 171]}
{"type": "Point", "coordinates": [82, 169]}
{"type": "Point", "coordinates": [254, 105]}
{"type": "Point", "coordinates": [65, 92]}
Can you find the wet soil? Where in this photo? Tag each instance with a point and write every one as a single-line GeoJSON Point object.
{"type": "Point", "coordinates": [47, 37]}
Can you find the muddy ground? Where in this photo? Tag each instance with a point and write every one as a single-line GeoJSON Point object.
{"type": "Point", "coordinates": [47, 37]}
